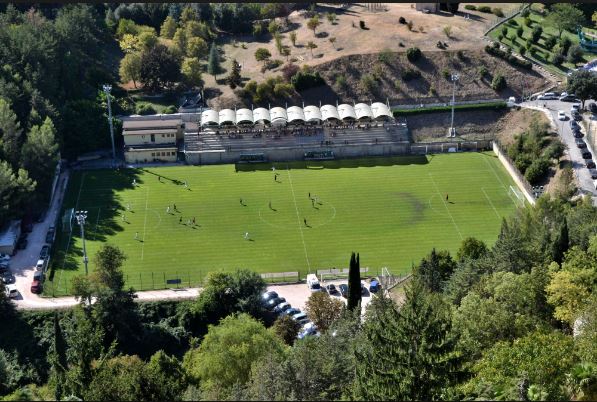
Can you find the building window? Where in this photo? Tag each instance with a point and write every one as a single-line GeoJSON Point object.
{"type": "Point", "coordinates": [162, 135]}
{"type": "Point", "coordinates": [173, 153]}
{"type": "Point", "coordinates": [143, 137]}
{"type": "Point", "coordinates": [153, 154]}
{"type": "Point", "coordinates": [163, 154]}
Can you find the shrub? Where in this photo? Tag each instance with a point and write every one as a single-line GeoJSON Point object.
{"type": "Point", "coordinates": [283, 90]}
{"type": "Point", "coordinates": [446, 73]}
{"type": "Point", "coordinates": [432, 90]}
{"type": "Point", "coordinates": [397, 84]}
{"type": "Point", "coordinates": [522, 162]}
{"type": "Point", "coordinates": [362, 24]}
{"type": "Point", "coordinates": [575, 54]}
{"type": "Point", "coordinates": [448, 31]}
{"type": "Point", "coordinates": [497, 12]}
{"type": "Point", "coordinates": [492, 50]}
{"type": "Point", "coordinates": [460, 54]}
{"type": "Point", "coordinates": [528, 22]}
{"type": "Point", "coordinates": [483, 72]}
{"type": "Point", "coordinates": [410, 74]}
{"type": "Point", "coordinates": [484, 9]}
{"type": "Point", "coordinates": [519, 32]}
{"type": "Point", "coordinates": [536, 33]}
{"type": "Point", "coordinates": [145, 109]}
{"type": "Point", "coordinates": [525, 13]}
{"type": "Point", "coordinates": [341, 82]}
{"type": "Point", "coordinates": [554, 151]}
{"type": "Point", "coordinates": [537, 170]}
{"type": "Point", "coordinates": [385, 56]}
{"type": "Point", "coordinates": [522, 50]}
{"type": "Point", "coordinates": [550, 42]}
{"type": "Point", "coordinates": [402, 20]}
{"type": "Point", "coordinates": [289, 70]}
{"type": "Point", "coordinates": [500, 37]}
{"type": "Point", "coordinates": [565, 44]}
{"type": "Point", "coordinates": [413, 54]}
{"type": "Point", "coordinates": [513, 23]}
{"type": "Point", "coordinates": [170, 109]}
{"type": "Point", "coordinates": [470, 7]}
{"type": "Point", "coordinates": [368, 82]}
{"type": "Point", "coordinates": [557, 59]}
{"type": "Point", "coordinates": [505, 31]}
{"type": "Point", "coordinates": [305, 79]}
{"type": "Point", "coordinates": [498, 83]}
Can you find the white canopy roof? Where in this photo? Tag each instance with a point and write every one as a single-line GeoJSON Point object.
{"type": "Point", "coordinates": [295, 114]}
{"type": "Point", "coordinates": [346, 111]}
{"type": "Point", "coordinates": [363, 111]}
{"type": "Point", "coordinates": [227, 116]}
{"type": "Point", "coordinates": [209, 118]}
{"type": "Point", "coordinates": [261, 115]}
{"type": "Point", "coordinates": [380, 110]}
{"type": "Point", "coordinates": [329, 112]}
{"type": "Point", "coordinates": [278, 115]}
{"type": "Point", "coordinates": [312, 114]}
{"type": "Point", "coordinates": [244, 116]}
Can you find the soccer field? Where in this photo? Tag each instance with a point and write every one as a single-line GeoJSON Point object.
{"type": "Point", "coordinates": [390, 210]}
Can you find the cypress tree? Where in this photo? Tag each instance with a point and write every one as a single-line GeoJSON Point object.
{"type": "Point", "coordinates": [561, 243]}
{"type": "Point", "coordinates": [213, 63]}
{"type": "Point", "coordinates": [354, 283]}
{"type": "Point", "coordinates": [408, 353]}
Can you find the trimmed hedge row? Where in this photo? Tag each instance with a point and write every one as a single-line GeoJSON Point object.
{"type": "Point", "coordinates": [435, 109]}
{"type": "Point", "coordinates": [510, 58]}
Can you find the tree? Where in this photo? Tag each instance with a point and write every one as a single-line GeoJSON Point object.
{"type": "Point", "coordinates": [147, 40]}
{"type": "Point", "coordinates": [324, 310]}
{"type": "Point", "coordinates": [234, 79]}
{"type": "Point", "coordinates": [213, 63]}
{"type": "Point", "coordinates": [168, 28]}
{"type": "Point", "coordinates": [354, 283]}
{"type": "Point", "coordinates": [292, 37]}
{"type": "Point", "coordinates": [278, 41]}
{"type": "Point", "coordinates": [313, 23]}
{"type": "Point", "coordinates": [311, 46]}
{"type": "Point", "coordinates": [10, 133]}
{"type": "Point", "coordinates": [40, 154]}
{"type": "Point", "coordinates": [159, 68]}
{"type": "Point", "coordinates": [227, 353]}
{"type": "Point", "coordinates": [561, 243]}
{"type": "Point", "coordinates": [331, 17]}
{"type": "Point", "coordinates": [165, 379]}
{"type": "Point", "coordinates": [594, 18]}
{"type": "Point", "coordinates": [407, 353]}
{"type": "Point", "coordinates": [435, 269]}
{"type": "Point", "coordinates": [57, 357]}
{"type": "Point", "coordinates": [286, 329]}
{"type": "Point", "coordinates": [14, 190]}
{"type": "Point", "coordinates": [188, 14]}
{"type": "Point", "coordinates": [262, 54]}
{"type": "Point", "coordinates": [180, 40]}
{"type": "Point", "coordinates": [108, 262]}
{"type": "Point", "coordinates": [130, 68]}
{"type": "Point", "coordinates": [118, 378]}
{"type": "Point", "coordinates": [273, 28]}
{"type": "Point", "coordinates": [498, 83]}
{"type": "Point", "coordinates": [564, 16]}
{"type": "Point", "coordinates": [196, 47]}
{"type": "Point", "coordinates": [471, 248]}
{"type": "Point", "coordinates": [332, 40]}
{"type": "Point", "coordinates": [191, 72]}
{"type": "Point", "coordinates": [129, 43]}
{"type": "Point", "coordinates": [583, 84]}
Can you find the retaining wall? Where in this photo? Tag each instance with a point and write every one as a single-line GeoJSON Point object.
{"type": "Point", "coordinates": [514, 174]}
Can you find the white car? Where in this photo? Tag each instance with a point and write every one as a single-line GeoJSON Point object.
{"type": "Point", "coordinates": [575, 108]}
{"type": "Point", "coordinates": [11, 291]}
{"type": "Point", "coordinates": [561, 115]}
{"type": "Point", "coordinates": [4, 257]}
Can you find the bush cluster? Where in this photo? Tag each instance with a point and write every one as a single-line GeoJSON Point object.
{"type": "Point", "coordinates": [413, 54]}
{"type": "Point", "coordinates": [498, 83]}
{"type": "Point", "coordinates": [470, 7]}
{"type": "Point", "coordinates": [410, 74]}
{"type": "Point", "coordinates": [306, 79]}
{"type": "Point", "coordinates": [145, 109]}
{"type": "Point", "coordinates": [515, 61]}
{"type": "Point", "coordinates": [484, 9]}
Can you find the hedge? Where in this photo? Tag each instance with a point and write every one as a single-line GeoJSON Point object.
{"type": "Point", "coordinates": [437, 109]}
{"type": "Point", "coordinates": [515, 61]}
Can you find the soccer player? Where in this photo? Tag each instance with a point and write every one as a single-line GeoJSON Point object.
{"type": "Point", "coordinates": [446, 196]}
{"type": "Point", "coordinates": [180, 220]}
{"type": "Point", "coordinates": [134, 182]}
{"type": "Point", "coordinates": [241, 201]}
{"type": "Point", "coordinates": [246, 235]}
{"type": "Point", "coordinates": [305, 220]}
{"type": "Point", "coordinates": [193, 221]}
{"type": "Point", "coordinates": [160, 179]}
{"type": "Point", "coordinates": [168, 209]}
{"type": "Point", "coordinates": [123, 218]}
{"type": "Point", "coordinates": [309, 195]}
{"type": "Point", "coordinates": [136, 235]}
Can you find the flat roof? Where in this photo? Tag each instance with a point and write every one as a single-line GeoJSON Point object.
{"type": "Point", "coordinates": [146, 132]}
{"type": "Point", "coordinates": [150, 124]}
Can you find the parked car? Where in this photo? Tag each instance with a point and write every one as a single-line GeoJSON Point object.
{"type": "Point", "coordinates": [267, 296]}
{"type": "Point", "coordinates": [562, 115]}
{"type": "Point", "coordinates": [274, 302]}
{"type": "Point", "coordinates": [363, 289]}
{"type": "Point", "coordinates": [590, 164]}
{"type": "Point", "coordinates": [343, 290]}
{"type": "Point", "coordinates": [576, 115]}
{"type": "Point", "coordinates": [282, 307]}
{"type": "Point", "coordinates": [38, 276]}
{"type": "Point", "coordinates": [577, 134]}
{"type": "Point", "coordinates": [580, 143]}
{"type": "Point", "coordinates": [50, 237]}
{"type": "Point", "coordinates": [569, 98]}
{"type": "Point", "coordinates": [593, 107]}
{"type": "Point", "coordinates": [331, 288]}
{"type": "Point", "coordinates": [39, 266]}
{"type": "Point", "coordinates": [7, 277]}
{"type": "Point", "coordinates": [298, 317]}
{"type": "Point", "coordinates": [586, 155]}
{"type": "Point", "coordinates": [593, 173]}
{"type": "Point", "coordinates": [11, 291]}
{"type": "Point", "coordinates": [308, 329]}
{"type": "Point", "coordinates": [36, 286]}
{"type": "Point", "coordinates": [374, 286]}
{"type": "Point", "coordinates": [548, 96]}
{"type": "Point", "coordinates": [45, 251]}
{"type": "Point", "coordinates": [574, 125]}
{"type": "Point", "coordinates": [291, 311]}
{"type": "Point", "coordinates": [575, 108]}
{"type": "Point", "coordinates": [4, 266]}
{"type": "Point", "coordinates": [4, 257]}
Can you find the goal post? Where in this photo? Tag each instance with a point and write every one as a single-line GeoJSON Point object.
{"type": "Point", "coordinates": [517, 196]}
{"type": "Point", "coordinates": [67, 220]}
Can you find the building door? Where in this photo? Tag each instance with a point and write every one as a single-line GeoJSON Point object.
{"type": "Point", "coordinates": [152, 137]}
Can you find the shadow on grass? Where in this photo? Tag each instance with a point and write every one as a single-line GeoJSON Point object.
{"type": "Point", "coordinates": [336, 164]}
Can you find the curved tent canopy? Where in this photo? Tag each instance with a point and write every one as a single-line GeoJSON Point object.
{"type": "Point", "coordinates": [329, 112]}
{"type": "Point", "coordinates": [295, 115]}
{"type": "Point", "coordinates": [381, 111]}
{"type": "Point", "coordinates": [363, 111]}
{"type": "Point", "coordinates": [244, 117]}
{"type": "Point", "coordinates": [279, 116]}
{"type": "Point", "coordinates": [227, 117]}
{"type": "Point", "coordinates": [261, 116]}
{"type": "Point", "coordinates": [210, 118]}
{"type": "Point", "coordinates": [346, 112]}
{"type": "Point", "coordinates": [312, 114]}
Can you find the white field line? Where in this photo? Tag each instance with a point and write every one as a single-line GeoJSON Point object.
{"type": "Point", "coordinates": [490, 203]}
{"type": "Point", "coordinates": [144, 223]}
{"type": "Point", "coordinates": [501, 182]}
{"type": "Point", "coordinates": [298, 218]}
{"type": "Point", "coordinates": [446, 206]}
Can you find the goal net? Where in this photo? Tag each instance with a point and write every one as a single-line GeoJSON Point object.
{"type": "Point", "coordinates": [67, 220]}
{"type": "Point", "coordinates": [517, 196]}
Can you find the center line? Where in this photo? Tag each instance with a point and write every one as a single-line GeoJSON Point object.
{"type": "Point", "coordinates": [298, 218]}
{"type": "Point", "coordinates": [446, 205]}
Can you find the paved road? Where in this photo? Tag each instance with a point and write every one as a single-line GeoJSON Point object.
{"type": "Point", "coordinates": [585, 183]}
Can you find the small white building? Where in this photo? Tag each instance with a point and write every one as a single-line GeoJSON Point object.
{"type": "Point", "coordinates": [151, 138]}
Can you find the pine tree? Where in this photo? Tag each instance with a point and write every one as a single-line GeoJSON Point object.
{"type": "Point", "coordinates": [213, 63]}
{"type": "Point", "coordinates": [59, 362]}
{"type": "Point", "coordinates": [234, 79]}
{"type": "Point", "coordinates": [354, 283]}
{"type": "Point", "coordinates": [561, 243]}
{"type": "Point", "coordinates": [408, 353]}
{"type": "Point", "coordinates": [429, 272]}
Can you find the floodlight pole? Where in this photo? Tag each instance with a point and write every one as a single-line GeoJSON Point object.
{"type": "Point", "coordinates": [455, 77]}
{"type": "Point", "coordinates": [107, 88]}
{"type": "Point", "coordinates": [81, 216]}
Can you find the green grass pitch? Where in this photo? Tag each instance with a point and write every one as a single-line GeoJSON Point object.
{"type": "Point", "coordinates": [390, 210]}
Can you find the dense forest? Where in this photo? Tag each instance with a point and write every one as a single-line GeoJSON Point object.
{"type": "Point", "coordinates": [517, 320]}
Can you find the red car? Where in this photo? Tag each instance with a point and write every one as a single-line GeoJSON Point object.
{"type": "Point", "coordinates": [36, 286]}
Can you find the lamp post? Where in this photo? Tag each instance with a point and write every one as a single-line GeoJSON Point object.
{"type": "Point", "coordinates": [107, 88]}
{"type": "Point", "coordinates": [81, 216]}
{"type": "Point", "coordinates": [452, 132]}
